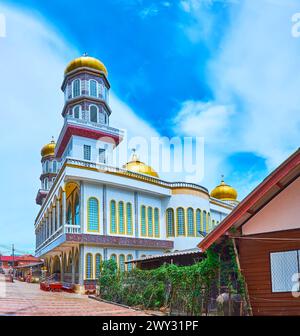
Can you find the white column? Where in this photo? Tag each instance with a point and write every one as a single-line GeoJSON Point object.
{"type": "Point", "coordinates": [50, 223]}
{"type": "Point", "coordinates": [47, 227]}
{"type": "Point", "coordinates": [73, 266]}
{"type": "Point", "coordinates": [57, 214]}
{"type": "Point", "coordinates": [64, 209]}
{"type": "Point", "coordinates": [53, 219]}
{"type": "Point", "coordinates": [44, 230]}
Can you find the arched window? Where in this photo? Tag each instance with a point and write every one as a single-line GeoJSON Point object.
{"type": "Point", "coordinates": [208, 222]}
{"type": "Point", "coordinates": [121, 218]}
{"type": "Point", "coordinates": [114, 258]}
{"type": "Point", "coordinates": [98, 259]}
{"type": "Point", "coordinates": [76, 112]}
{"type": "Point", "coordinates": [76, 88]}
{"type": "Point", "coordinates": [129, 266]}
{"type": "Point", "coordinates": [143, 221]}
{"type": "Point", "coordinates": [93, 113]}
{"type": "Point", "coordinates": [190, 222]}
{"type": "Point", "coordinates": [198, 223]}
{"type": "Point", "coordinates": [150, 221]}
{"type": "Point", "coordinates": [76, 210]}
{"type": "Point", "coordinates": [93, 214]}
{"type": "Point", "coordinates": [129, 218]}
{"type": "Point", "coordinates": [54, 166]}
{"type": "Point", "coordinates": [122, 262]}
{"type": "Point", "coordinates": [204, 224]}
{"type": "Point", "coordinates": [180, 222]}
{"type": "Point", "coordinates": [93, 88]}
{"type": "Point", "coordinates": [156, 222]}
{"type": "Point", "coordinates": [47, 166]}
{"type": "Point", "coordinates": [69, 214]}
{"type": "Point", "coordinates": [113, 223]}
{"type": "Point", "coordinates": [46, 183]}
{"type": "Point", "coordinates": [89, 266]}
{"type": "Point", "coordinates": [213, 224]}
{"type": "Point", "coordinates": [170, 223]}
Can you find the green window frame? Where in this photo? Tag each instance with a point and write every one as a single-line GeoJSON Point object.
{"type": "Point", "coordinates": [121, 218]}
{"type": "Point", "coordinates": [129, 218]}
{"type": "Point", "coordinates": [170, 222]}
{"type": "Point", "coordinates": [156, 222]}
{"type": "Point", "coordinates": [180, 222]}
{"type": "Point", "coordinates": [89, 266]}
{"type": "Point", "coordinates": [150, 221]}
{"type": "Point", "coordinates": [190, 222]}
{"type": "Point", "coordinates": [204, 223]}
{"type": "Point", "coordinates": [198, 223]}
{"type": "Point", "coordinates": [143, 221]}
{"type": "Point", "coordinates": [98, 260]}
{"type": "Point", "coordinates": [113, 219]}
{"type": "Point", "coordinates": [129, 266]}
{"type": "Point", "coordinates": [93, 214]}
{"type": "Point", "coordinates": [122, 262]}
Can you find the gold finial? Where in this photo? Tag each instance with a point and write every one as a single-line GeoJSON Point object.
{"type": "Point", "coordinates": [222, 179]}
{"type": "Point", "coordinates": [85, 54]}
{"type": "Point", "coordinates": [134, 156]}
{"type": "Point", "coordinates": [52, 139]}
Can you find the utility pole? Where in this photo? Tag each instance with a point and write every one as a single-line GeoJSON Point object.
{"type": "Point", "coordinates": [13, 256]}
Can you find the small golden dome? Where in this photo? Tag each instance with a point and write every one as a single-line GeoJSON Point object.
{"type": "Point", "coordinates": [48, 149]}
{"type": "Point", "coordinates": [86, 61]}
{"type": "Point", "coordinates": [137, 166]}
{"type": "Point", "coordinates": [224, 192]}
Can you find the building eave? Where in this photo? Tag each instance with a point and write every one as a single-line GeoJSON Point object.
{"type": "Point", "coordinates": [269, 188]}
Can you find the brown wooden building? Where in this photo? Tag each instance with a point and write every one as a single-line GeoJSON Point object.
{"type": "Point", "coordinates": [265, 227]}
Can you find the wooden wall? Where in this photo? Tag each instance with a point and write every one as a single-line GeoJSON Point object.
{"type": "Point", "coordinates": [255, 263]}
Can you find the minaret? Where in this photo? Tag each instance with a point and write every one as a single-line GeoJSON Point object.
{"type": "Point", "coordinates": [86, 134]}
{"type": "Point", "coordinates": [49, 170]}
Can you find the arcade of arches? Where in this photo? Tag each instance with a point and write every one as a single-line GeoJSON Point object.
{"type": "Point", "coordinates": [64, 265]}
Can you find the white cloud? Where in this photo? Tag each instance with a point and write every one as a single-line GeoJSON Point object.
{"type": "Point", "coordinates": [32, 61]}
{"type": "Point", "coordinates": [256, 71]}
{"type": "Point", "coordinates": [207, 120]}
{"type": "Point", "coordinates": [260, 65]}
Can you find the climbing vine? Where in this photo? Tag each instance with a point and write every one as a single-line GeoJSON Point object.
{"type": "Point", "coordinates": [184, 290]}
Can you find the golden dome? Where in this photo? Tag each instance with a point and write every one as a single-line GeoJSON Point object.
{"type": "Point", "coordinates": [137, 166]}
{"type": "Point", "coordinates": [224, 192]}
{"type": "Point", "coordinates": [48, 149]}
{"type": "Point", "coordinates": [86, 61]}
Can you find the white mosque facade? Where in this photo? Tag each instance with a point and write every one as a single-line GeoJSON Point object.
{"type": "Point", "coordinates": [92, 211]}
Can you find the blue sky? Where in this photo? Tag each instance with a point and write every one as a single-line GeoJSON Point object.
{"type": "Point", "coordinates": [227, 70]}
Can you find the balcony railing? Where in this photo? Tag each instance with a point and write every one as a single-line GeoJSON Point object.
{"type": "Point", "coordinates": [72, 229]}
{"type": "Point", "coordinates": [67, 228]}
{"type": "Point", "coordinates": [103, 127]}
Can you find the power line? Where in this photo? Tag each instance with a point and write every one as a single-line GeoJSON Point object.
{"type": "Point", "coordinates": [8, 248]}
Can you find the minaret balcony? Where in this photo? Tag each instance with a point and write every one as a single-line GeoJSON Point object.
{"type": "Point", "coordinates": [69, 120]}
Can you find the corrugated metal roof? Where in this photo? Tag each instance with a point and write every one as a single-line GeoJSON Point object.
{"type": "Point", "coordinates": [166, 255]}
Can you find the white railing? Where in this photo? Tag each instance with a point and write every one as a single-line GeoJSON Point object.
{"type": "Point", "coordinates": [111, 130]}
{"type": "Point", "coordinates": [72, 228]}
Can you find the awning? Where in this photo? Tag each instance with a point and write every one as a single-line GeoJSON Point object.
{"type": "Point", "coordinates": [195, 250]}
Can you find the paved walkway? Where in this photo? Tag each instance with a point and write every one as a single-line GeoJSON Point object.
{"type": "Point", "coordinates": [20, 298]}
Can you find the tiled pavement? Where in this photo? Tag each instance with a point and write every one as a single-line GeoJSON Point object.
{"type": "Point", "coordinates": [21, 298]}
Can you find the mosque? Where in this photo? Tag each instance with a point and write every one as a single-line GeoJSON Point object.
{"type": "Point", "coordinates": [92, 211]}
